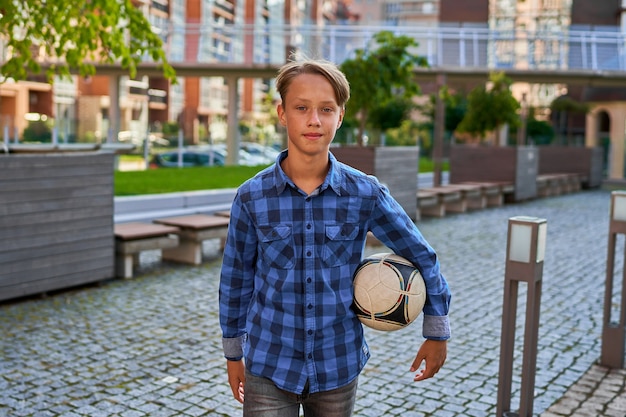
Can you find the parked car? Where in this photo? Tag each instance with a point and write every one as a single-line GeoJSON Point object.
{"type": "Point", "coordinates": [264, 154]}
{"type": "Point", "coordinates": [190, 159]}
{"type": "Point", "coordinates": [245, 157]}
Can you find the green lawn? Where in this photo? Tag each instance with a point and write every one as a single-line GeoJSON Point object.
{"type": "Point", "coordinates": [168, 180]}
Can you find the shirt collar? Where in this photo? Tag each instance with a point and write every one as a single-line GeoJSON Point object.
{"type": "Point", "coordinates": [332, 180]}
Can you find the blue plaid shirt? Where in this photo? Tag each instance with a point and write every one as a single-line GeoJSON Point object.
{"type": "Point", "coordinates": [286, 279]}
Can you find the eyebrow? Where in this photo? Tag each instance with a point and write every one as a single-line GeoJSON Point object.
{"type": "Point", "coordinates": [325, 102]}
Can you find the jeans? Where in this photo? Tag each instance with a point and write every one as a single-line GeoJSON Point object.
{"type": "Point", "coordinates": [264, 399]}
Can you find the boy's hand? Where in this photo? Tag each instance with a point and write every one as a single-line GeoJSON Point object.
{"type": "Point", "coordinates": [236, 378]}
{"type": "Point", "coordinates": [433, 353]}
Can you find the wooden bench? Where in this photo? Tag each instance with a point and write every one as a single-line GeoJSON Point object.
{"type": "Point", "coordinates": [576, 182]}
{"type": "Point", "coordinates": [193, 230]}
{"type": "Point", "coordinates": [222, 213]}
{"type": "Point", "coordinates": [472, 194]}
{"type": "Point", "coordinates": [545, 186]}
{"type": "Point", "coordinates": [557, 184]}
{"type": "Point", "coordinates": [133, 238]}
{"type": "Point", "coordinates": [570, 182]}
{"type": "Point", "coordinates": [507, 189]}
{"type": "Point", "coordinates": [437, 201]}
{"type": "Point", "coordinates": [428, 204]}
{"type": "Point", "coordinates": [492, 192]}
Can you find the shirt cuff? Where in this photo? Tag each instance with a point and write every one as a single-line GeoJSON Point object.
{"type": "Point", "coordinates": [436, 327]}
{"type": "Point", "coordinates": [233, 347]}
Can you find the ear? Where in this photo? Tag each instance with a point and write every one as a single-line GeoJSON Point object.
{"type": "Point", "coordinates": [281, 114]}
{"type": "Point", "coordinates": [341, 114]}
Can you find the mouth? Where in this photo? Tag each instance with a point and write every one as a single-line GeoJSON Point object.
{"type": "Point", "coordinates": [312, 136]}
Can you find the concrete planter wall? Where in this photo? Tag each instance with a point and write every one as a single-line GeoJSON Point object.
{"type": "Point", "coordinates": [515, 165]}
{"type": "Point", "coordinates": [394, 166]}
{"type": "Point", "coordinates": [56, 221]}
{"type": "Point", "coordinates": [571, 159]}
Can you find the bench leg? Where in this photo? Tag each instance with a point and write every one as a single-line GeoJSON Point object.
{"type": "Point", "coordinates": [477, 203]}
{"type": "Point", "coordinates": [494, 200]}
{"type": "Point", "coordinates": [187, 251]}
{"type": "Point", "coordinates": [437, 210]}
{"type": "Point", "coordinates": [124, 265]}
{"type": "Point", "coordinates": [459, 206]}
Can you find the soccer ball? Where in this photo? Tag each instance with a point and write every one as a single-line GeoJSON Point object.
{"type": "Point", "coordinates": [389, 292]}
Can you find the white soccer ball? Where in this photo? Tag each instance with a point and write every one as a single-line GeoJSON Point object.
{"type": "Point", "coordinates": [389, 292]}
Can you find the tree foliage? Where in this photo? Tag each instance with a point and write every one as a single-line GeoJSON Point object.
{"type": "Point", "coordinates": [569, 105]}
{"type": "Point", "coordinates": [489, 108]}
{"type": "Point", "coordinates": [540, 132]}
{"type": "Point", "coordinates": [381, 81]}
{"type": "Point", "coordinates": [71, 36]}
{"type": "Point", "coordinates": [455, 103]}
{"type": "Point", "coordinates": [564, 110]}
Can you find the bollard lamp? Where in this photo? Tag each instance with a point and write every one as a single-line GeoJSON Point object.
{"type": "Point", "coordinates": [618, 212]}
{"type": "Point", "coordinates": [526, 248]}
{"type": "Point", "coordinates": [613, 331]}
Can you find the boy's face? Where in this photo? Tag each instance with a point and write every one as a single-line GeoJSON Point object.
{"type": "Point", "coordinates": [310, 113]}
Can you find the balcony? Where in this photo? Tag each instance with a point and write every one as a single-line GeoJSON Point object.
{"type": "Point", "coordinates": [157, 99]}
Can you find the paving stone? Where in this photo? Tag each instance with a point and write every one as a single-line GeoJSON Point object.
{"type": "Point", "coordinates": [107, 349]}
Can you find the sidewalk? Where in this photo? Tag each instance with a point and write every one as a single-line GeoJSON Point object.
{"type": "Point", "coordinates": [599, 392]}
{"type": "Point", "coordinates": [151, 346]}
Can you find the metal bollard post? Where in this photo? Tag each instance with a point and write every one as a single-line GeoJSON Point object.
{"type": "Point", "coordinates": [612, 352]}
{"type": "Point", "coordinates": [526, 244]}
{"type": "Point", "coordinates": [180, 148]}
{"type": "Point", "coordinates": [5, 145]}
{"type": "Point", "coordinates": [146, 152]}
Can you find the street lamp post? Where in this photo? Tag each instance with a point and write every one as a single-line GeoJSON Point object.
{"type": "Point", "coordinates": [526, 243]}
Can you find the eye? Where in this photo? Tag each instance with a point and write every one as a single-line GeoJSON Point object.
{"type": "Point", "coordinates": [301, 108]}
{"type": "Point", "coordinates": [328, 109]}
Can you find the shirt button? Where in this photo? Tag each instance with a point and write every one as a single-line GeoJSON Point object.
{"type": "Point", "coordinates": [310, 332]}
{"type": "Point", "coordinates": [308, 253]}
{"type": "Point", "coordinates": [308, 226]}
{"type": "Point", "coordinates": [310, 356]}
{"type": "Point", "coordinates": [310, 306]}
{"type": "Point", "coordinates": [308, 280]}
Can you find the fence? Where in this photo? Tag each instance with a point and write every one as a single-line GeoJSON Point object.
{"type": "Point", "coordinates": [450, 46]}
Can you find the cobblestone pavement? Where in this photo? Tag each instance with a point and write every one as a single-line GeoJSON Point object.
{"type": "Point", "coordinates": [151, 346]}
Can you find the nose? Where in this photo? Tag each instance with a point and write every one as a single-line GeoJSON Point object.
{"type": "Point", "coordinates": [314, 120]}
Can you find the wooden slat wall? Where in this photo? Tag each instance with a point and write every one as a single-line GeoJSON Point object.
{"type": "Point", "coordinates": [572, 159]}
{"type": "Point", "coordinates": [56, 221]}
{"type": "Point", "coordinates": [516, 165]}
{"type": "Point", "coordinates": [396, 167]}
{"type": "Point", "coordinates": [359, 157]}
{"type": "Point", "coordinates": [482, 163]}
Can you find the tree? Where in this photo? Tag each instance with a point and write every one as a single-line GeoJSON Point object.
{"type": "Point", "coordinates": [455, 103]}
{"type": "Point", "coordinates": [540, 132]}
{"type": "Point", "coordinates": [381, 81]}
{"type": "Point", "coordinates": [565, 108]}
{"type": "Point", "coordinates": [490, 108]}
{"type": "Point", "coordinates": [74, 35]}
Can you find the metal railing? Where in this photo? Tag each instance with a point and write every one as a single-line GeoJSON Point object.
{"type": "Point", "coordinates": [458, 46]}
{"type": "Point", "coordinates": [443, 46]}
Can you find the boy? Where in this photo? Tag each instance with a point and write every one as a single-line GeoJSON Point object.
{"type": "Point", "coordinates": [296, 236]}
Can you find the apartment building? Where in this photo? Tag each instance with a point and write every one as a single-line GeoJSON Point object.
{"type": "Point", "coordinates": [198, 30]}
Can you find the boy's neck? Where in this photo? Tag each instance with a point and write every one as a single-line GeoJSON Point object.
{"type": "Point", "coordinates": [307, 173]}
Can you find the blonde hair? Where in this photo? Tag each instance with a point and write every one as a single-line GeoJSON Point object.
{"type": "Point", "coordinates": [326, 69]}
